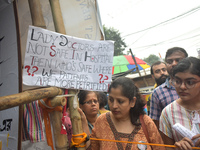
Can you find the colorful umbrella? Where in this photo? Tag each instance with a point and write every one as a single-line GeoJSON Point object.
{"type": "Point", "coordinates": [124, 63]}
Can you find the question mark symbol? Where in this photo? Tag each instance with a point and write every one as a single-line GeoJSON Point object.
{"type": "Point", "coordinates": [105, 78]}
{"type": "Point", "coordinates": [36, 69]}
{"type": "Point", "coordinates": [100, 77]}
{"type": "Point", "coordinates": [28, 68]}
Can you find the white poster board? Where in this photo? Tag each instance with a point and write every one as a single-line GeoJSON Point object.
{"type": "Point", "coordinates": [54, 59]}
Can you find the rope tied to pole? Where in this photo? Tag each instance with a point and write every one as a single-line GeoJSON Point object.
{"type": "Point", "coordinates": [76, 141]}
{"type": "Point", "coordinates": [46, 106]}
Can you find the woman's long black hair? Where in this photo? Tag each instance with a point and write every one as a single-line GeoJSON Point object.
{"type": "Point", "coordinates": [190, 64]}
{"type": "Point", "coordinates": [129, 90]}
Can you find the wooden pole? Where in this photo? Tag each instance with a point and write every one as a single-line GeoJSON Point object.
{"type": "Point", "coordinates": [36, 13]}
{"type": "Point", "coordinates": [27, 97]}
{"type": "Point", "coordinates": [137, 67]}
{"type": "Point", "coordinates": [135, 62]}
{"type": "Point", "coordinates": [58, 101]}
{"type": "Point", "coordinates": [57, 16]}
{"type": "Point", "coordinates": [19, 72]}
{"type": "Point", "coordinates": [74, 114]}
{"type": "Point", "coordinates": [61, 141]}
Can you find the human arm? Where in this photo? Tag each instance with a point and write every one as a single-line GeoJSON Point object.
{"type": "Point", "coordinates": [167, 141]}
{"type": "Point", "coordinates": [165, 129]}
{"type": "Point", "coordinates": [184, 144]}
{"type": "Point", "coordinates": [168, 133]}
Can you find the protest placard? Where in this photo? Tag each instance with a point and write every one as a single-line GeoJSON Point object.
{"type": "Point", "coordinates": [54, 59]}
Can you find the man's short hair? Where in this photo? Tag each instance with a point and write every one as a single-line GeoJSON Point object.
{"type": "Point", "coordinates": [175, 49]}
{"type": "Point", "coordinates": [155, 64]}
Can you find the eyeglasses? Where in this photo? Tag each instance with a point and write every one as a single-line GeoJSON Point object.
{"type": "Point", "coordinates": [170, 61]}
{"type": "Point", "coordinates": [91, 101]}
{"type": "Point", "coordinates": [188, 83]}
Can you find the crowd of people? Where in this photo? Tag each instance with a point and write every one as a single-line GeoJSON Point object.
{"type": "Point", "coordinates": [120, 115]}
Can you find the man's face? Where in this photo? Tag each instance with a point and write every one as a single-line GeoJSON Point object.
{"type": "Point", "coordinates": [160, 73]}
{"type": "Point", "coordinates": [173, 60]}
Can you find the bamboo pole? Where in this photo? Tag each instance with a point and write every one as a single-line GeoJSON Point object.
{"type": "Point", "coordinates": [36, 13]}
{"type": "Point", "coordinates": [74, 114]}
{"type": "Point", "coordinates": [61, 141]}
{"type": "Point", "coordinates": [57, 16]}
{"type": "Point", "coordinates": [58, 101]}
{"type": "Point", "coordinates": [137, 68]}
{"type": "Point", "coordinates": [19, 72]}
{"type": "Point", "coordinates": [27, 97]}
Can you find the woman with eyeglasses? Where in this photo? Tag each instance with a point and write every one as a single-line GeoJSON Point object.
{"type": "Point", "coordinates": [89, 103]}
{"type": "Point", "coordinates": [126, 121]}
{"type": "Point", "coordinates": [185, 110]}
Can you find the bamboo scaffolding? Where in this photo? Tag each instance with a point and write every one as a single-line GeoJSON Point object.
{"type": "Point", "coordinates": [28, 97]}
{"type": "Point", "coordinates": [61, 141]}
{"type": "Point", "coordinates": [74, 114]}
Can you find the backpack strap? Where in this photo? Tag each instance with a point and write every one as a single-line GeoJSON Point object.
{"type": "Point", "coordinates": [145, 129]}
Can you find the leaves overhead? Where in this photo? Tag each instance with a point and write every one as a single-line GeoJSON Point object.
{"type": "Point", "coordinates": [151, 59]}
{"type": "Point", "coordinates": [114, 35]}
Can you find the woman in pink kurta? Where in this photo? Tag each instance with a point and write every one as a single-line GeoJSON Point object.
{"type": "Point", "coordinates": [122, 122]}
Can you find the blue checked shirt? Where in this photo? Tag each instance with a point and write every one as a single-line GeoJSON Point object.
{"type": "Point", "coordinates": [161, 97]}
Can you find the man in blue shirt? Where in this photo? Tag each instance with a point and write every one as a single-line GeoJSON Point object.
{"type": "Point", "coordinates": [159, 74]}
{"type": "Point", "coordinates": [166, 93]}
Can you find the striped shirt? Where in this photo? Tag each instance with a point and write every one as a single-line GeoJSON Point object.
{"type": "Point", "coordinates": [161, 97]}
{"type": "Point", "coordinates": [175, 113]}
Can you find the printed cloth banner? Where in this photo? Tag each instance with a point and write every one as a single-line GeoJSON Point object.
{"type": "Point", "coordinates": [54, 59]}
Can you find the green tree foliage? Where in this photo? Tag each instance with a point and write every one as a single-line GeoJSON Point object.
{"type": "Point", "coordinates": [151, 59]}
{"type": "Point", "coordinates": [114, 35]}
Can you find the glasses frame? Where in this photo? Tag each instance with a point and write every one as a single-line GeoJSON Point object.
{"type": "Point", "coordinates": [186, 85]}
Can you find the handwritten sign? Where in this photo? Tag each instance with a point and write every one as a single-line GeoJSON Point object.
{"type": "Point", "coordinates": [54, 59]}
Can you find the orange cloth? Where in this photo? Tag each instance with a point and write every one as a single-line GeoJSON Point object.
{"type": "Point", "coordinates": [105, 129]}
{"type": "Point", "coordinates": [47, 122]}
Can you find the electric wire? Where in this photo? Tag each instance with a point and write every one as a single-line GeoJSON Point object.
{"type": "Point", "coordinates": [170, 40]}
{"type": "Point", "coordinates": [160, 43]}
{"type": "Point", "coordinates": [168, 21]}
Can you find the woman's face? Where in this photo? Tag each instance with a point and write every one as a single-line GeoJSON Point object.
{"type": "Point", "coordinates": [119, 105]}
{"type": "Point", "coordinates": [91, 105]}
{"type": "Point", "coordinates": [187, 86]}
